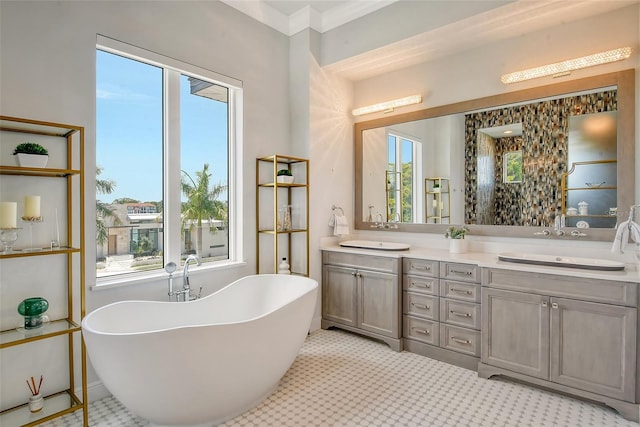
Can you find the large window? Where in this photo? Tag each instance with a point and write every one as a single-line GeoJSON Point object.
{"type": "Point", "coordinates": [165, 154]}
{"type": "Point", "coordinates": [403, 174]}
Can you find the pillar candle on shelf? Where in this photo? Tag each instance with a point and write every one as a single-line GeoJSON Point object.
{"type": "Point", "coordinates": [8, 214]}
{"type": "Point", "coordinates": [32, 207]}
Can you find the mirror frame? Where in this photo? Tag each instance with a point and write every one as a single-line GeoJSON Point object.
{"type": "Point", "coordinates": [625, 82]}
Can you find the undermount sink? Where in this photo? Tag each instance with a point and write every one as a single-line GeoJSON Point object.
{"type": "Point", "coordinates": [562, 261]}
{"type": "Point", "coordinates": [380, 246]}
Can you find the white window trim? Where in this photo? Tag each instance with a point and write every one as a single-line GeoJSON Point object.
{"type": "Point", "coordinates": [171, 156]}
{"type": "Point", "coordinates": [418, 185]}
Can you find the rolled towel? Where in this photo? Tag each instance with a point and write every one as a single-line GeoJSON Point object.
{"type": "Point", "coordinates": [625, 229]}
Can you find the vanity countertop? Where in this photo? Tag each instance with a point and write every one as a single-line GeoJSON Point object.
{"type": "Point", "coordinates": [483, 259]}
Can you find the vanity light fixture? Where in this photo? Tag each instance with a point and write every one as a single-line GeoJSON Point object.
{"type": "Point", "coordinates": [388, 106]}
{"type": "Point", "coordinates": [564, 68]}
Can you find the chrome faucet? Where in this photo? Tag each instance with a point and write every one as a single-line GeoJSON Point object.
{"type": "Point", "coordinates": [559, 224]}
{"type": "Point", "coordinates": [186, 286]}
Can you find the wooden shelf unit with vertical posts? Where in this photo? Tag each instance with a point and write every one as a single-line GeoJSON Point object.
{"type": "Point", "coordinates": [67, 139]}
{"type": "Point", "coordinates": [296, 195]}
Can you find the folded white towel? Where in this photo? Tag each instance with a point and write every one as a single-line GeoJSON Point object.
{"type": "Point", "coordinates": [340, 225]}
{"type": "Point", "coordinates": [625, 229]}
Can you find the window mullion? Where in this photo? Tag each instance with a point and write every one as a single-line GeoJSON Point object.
{"type": "Point", "coordinates": [171, 165]}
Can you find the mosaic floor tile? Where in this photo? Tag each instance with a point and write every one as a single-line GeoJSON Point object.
{"type": "Point", "coordinates": [341, 379]}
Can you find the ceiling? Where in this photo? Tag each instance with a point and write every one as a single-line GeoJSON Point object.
{"type": "Point", "coordinates": [445, 37]}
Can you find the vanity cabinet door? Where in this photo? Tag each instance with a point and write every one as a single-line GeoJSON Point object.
{"type": "Point", "coordinates": [339, 295]}
{"type": "Point", "coordinates": [593, 347]}
{"type": "Point", "coordinates": [515, 331]}
{"type": "Point", "coordinates": [379, 308]}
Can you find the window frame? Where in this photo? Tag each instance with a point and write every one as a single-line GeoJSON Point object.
{"type": "Point", "coordinates": [416, 180]}
{"type": "Point", "coordinates": [172, 192]}
{"type": "Point", "coordinates": [505, 161]}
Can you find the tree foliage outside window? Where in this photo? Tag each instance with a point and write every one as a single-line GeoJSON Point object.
{"type": "Point", "coordinates": [513, 167]}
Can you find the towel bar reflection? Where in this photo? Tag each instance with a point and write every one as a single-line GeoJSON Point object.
{"type": "Point", "coordinates": [631, 209]}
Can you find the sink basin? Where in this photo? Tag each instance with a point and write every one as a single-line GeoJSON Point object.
{"type": "Point", "coordinates": [562, 261]}
{"type": "Point", "coordinates": [380, 246]}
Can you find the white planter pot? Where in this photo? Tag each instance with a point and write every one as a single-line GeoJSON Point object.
{"type": "Point", "coordinates": [284, 179]}
{"type": "Point", "coordinates": [457, 246]}
{"type": "Point", "coordinates": [32, 160]}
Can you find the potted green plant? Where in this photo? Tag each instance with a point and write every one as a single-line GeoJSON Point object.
{"type": "Point", "coordinates": [31, 155]}
{"type": "Point", "coordinates": [457, 244]}
{"type": "Point", "coordinates": [284, 176]}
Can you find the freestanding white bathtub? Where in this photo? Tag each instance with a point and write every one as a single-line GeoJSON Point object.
{"type": "Point", "coordinates": [204, 361]}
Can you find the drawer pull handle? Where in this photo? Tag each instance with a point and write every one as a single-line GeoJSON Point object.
{"type": "Point", "coordinates": [459, 314]}
{"type": "Point", "coordinates": [422, 306]}
{"type": "Point", "coordinates": [421, 267]}
{"type": "Point", "coordinates": [466, 273]}
{"type": "Point", "coordinates": [460, 291]}
{"type": "Point", "coordinates": [460, 340]}
{"type": "Point", "coordinates": [417, 285]}
{"type": "Point", "coordinates": [421, 331]}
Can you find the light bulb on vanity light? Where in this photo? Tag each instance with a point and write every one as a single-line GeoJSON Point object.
{"type": "Point", "coordinates": [564, 68]}
{"type": "Point", "coordinates": [388, 106]}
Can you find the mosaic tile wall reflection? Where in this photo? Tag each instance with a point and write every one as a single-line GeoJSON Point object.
{"type": "Point", "coordinates": [544, 141]}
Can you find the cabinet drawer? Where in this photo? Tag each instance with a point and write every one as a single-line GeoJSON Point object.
{"type": "Point", "coordinates": [422, 330]}
{"type": "Point", "coordinates": [460, 339]}
{"type": "Point", "coordinates": [421, 267]}
{"type": "Point", "coordinates": [464, 272]}
{"type": "Point", "coordinates": [424, 285]}
{"type": "Point", "coordinates": [370, 262]}
{"type": "Point", "coordinates": [460, 290]}
{"type": "Point", "coordinates": [420, 305]}
{"type": "Point", "coordinates": [460, 313]}
{"type": "Point", "coordinates": [582, 288]}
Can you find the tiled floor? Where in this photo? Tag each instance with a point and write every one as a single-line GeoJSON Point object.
{"type": "Point", "coordinates": [341, 379]}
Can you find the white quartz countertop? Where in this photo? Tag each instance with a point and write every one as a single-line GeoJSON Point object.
{"type": "Point", "coordinates": [482, 259]}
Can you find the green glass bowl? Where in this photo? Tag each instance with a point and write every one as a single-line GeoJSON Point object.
{"type": "Point", "coordinates": [34, 306]}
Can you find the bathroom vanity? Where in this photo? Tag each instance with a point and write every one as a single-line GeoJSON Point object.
{"type": "Point", "coordinates": [361, 293]}
{"type": "Point", "coordinates": [570, 334]}
{"type": "Point", "coordinates": [570, 330]}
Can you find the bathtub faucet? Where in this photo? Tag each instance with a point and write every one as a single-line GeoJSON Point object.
{"type": "Point", "coordinates": [186, 286]}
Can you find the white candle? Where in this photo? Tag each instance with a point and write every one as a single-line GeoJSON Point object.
{"type": "Point", "coordinates": [32, 207]}
{"type": "Point", "coordinates": [8, 214]}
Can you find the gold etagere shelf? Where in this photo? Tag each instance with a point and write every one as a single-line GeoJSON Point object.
{"type": "Point", "coordinates": [65, 401]}
{"type": "Point", "coordinates": [284, 192]}
{"type": "Point", "coordinates": [437, 203]}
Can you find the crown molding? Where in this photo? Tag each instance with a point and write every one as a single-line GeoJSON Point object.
{"type": "Point", "coordinates": [307, 17]}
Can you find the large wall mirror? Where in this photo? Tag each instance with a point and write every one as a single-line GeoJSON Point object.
{"type": "Point", "coordinates": [504, 164]}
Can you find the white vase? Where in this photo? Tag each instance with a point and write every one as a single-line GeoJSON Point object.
{"type": "Point", "coordinates": [36, 403]}
{"type": "Point", "coordinates": [457, 246]}
{"type": "Point", "coordinates": [32, 160]}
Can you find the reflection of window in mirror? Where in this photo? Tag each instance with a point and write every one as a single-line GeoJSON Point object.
{"type": "Point", "coordinates": [512, 168]}
{"type": "Point", "coordinates": [404, 169]}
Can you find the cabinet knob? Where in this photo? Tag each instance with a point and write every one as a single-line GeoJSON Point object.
{"type": "Point", "coordinates": [554, 305]}
{"type": "Point", "coordinates": [544, 304]}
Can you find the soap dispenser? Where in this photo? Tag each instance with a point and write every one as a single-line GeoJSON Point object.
{"type": "Point", "coordinates": [284, 268]}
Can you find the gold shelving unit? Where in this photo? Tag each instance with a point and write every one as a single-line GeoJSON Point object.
{"type": "Point", "coordinates": [437, 203]}
{"type": "Point", "coordinates": [64, 401]}
{"type": "Point", "coordinates": [295, 194]}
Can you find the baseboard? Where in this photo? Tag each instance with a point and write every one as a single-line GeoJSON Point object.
{"type": "Point", "coordinates": [315, 324]}
{"type": "Point", "coordinates": [95, 391]}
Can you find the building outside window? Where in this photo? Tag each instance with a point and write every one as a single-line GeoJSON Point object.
{"type": "Point", "coordinates": [165, 153]}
